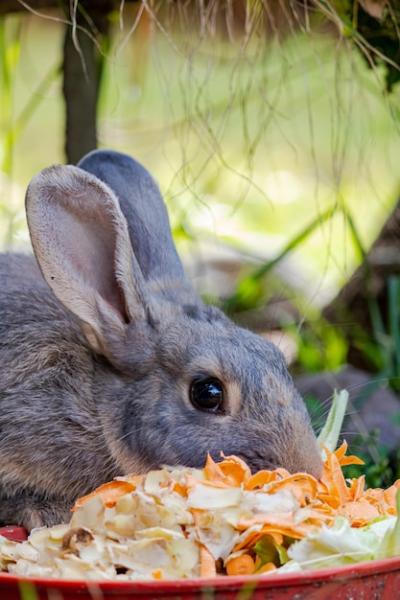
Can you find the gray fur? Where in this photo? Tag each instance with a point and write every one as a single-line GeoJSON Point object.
{"type": "Point", "coordinates": [94, 382]}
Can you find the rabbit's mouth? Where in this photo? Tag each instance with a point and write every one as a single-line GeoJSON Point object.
{"type": "Point", "coordinates": [257, 461]}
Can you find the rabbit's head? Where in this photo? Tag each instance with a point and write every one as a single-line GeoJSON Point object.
{"type": "Point", "coordinates": [173, 378]}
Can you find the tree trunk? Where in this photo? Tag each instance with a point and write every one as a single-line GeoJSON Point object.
{"type": "Point", "coordinates": [81, 81]}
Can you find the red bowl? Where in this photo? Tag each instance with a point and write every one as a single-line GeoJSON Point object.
{"type": "Point", "coordinates": [372, 580]}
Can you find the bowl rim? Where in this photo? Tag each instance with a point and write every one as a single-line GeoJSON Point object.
{"type": "Point", "coordinates": [345, 573]}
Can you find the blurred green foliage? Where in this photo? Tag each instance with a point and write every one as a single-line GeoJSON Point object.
{"type": "Point", "coordinates": [321, 347]}
{"type": "Point", "coordinates": [28, 591]}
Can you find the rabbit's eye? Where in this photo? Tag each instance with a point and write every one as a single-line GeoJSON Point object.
{"type": "Point", "coordinates": [207, 394]}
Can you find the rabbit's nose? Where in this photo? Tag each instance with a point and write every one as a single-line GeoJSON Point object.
{"type": "Point", "coordinates": [314, 466]}
{"type": "Point", "coordinates": [300, 452]}
{"type": "Point", "coordinates": [307, 457]}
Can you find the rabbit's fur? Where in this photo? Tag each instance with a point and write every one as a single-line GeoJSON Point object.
{"type": "Point", "coordinates": [99, 346]}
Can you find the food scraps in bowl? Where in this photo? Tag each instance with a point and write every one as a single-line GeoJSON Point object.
{"type": "Point", "coordinates": [220, 520]}
{"type": "Point", "coordinates": [187, 523]}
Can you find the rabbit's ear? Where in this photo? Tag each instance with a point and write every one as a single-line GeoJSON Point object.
{"type": "Point", "coordinates": [81, 242]}
{"type": "Point", "coordinates": [145, 212]}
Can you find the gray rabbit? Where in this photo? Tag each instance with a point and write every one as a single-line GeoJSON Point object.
{"type": "Point", "coordinates": [110, 362]}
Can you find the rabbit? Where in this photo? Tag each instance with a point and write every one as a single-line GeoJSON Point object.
{"type": "Point", "coordinates": [110, 361]}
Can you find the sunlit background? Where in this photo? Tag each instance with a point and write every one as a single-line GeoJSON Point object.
{"type": "Point", "coordinates": [249, 141]}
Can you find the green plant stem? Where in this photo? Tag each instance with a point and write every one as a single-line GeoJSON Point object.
{"type": "Point", "coordinates": [329, 436]}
